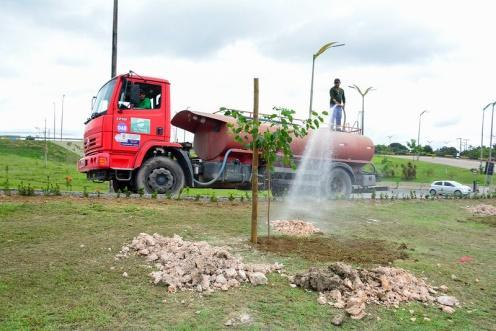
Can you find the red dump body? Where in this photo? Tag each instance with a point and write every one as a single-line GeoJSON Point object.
{"type": "Point", "coordinates": [213, 138]}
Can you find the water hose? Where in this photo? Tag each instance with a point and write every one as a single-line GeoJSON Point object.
{"type": "Point", "coordinates": [222, 167]}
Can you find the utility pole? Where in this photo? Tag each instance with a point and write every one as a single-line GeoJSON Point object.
{"type": "Point", "coordinates": [114, 41]}
{"type": "Point", "coordinates": [62, 119]}
{"type": "Point", "coordinates": [460, 150]}
{"type": "Point", "coordinates": [54, 123]}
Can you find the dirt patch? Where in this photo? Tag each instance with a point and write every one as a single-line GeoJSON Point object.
{"type": "Point", "coordinates": [488, 220]}
{"type": "Point", "coordinates": [330, 249]}
{"type": "Point", "coordinates": [344, 287]}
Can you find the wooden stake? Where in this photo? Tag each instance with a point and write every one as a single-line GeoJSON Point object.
{"type": "Point", "coordinates": [254, 169]}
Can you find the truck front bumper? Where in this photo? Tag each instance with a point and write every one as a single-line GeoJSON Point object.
{"type": "Point", "coordinates": [97, 161]}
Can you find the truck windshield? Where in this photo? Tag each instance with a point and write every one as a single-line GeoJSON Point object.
{"type": "Point", "coordinates": [102, 100]}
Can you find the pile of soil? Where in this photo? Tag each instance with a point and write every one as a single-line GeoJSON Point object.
{"type": "Point", "coordinates": [187, 265]}
{"type": "Point", "coordinates": [483, 210]}
{"type": "Point", "coordinates": [344, 287]}
{"type": "Point", "coordinates": [294, 227]}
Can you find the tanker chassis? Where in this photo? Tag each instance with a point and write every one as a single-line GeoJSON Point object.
{"type": "Point", "coordinates": [127, 141]}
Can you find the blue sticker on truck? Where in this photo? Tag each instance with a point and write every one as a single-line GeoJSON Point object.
{"type": "Point", "coordinates": [121, 127]}
{"type": "Point", "coordinates": [126, 139]}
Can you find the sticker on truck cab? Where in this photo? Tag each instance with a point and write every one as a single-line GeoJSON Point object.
{"type": "Point", "coordinates": [140, 125]}
{"type": "Point", "coordinates": [126, 139]}
{"type": "Point", "coordinates": [121, 127]}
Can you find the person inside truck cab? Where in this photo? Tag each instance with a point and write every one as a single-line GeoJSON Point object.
{"type": "Point", "coordinates": [144, 101]}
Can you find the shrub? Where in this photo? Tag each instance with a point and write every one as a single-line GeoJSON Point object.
{"type": "Point", "coordinates": [25, 190]}
{"type": "Point", "coordinates": [154, 194]}
{"type": "Point", "coordinates": [231, 197]}
{"type": "Point", "coordinates": [85, 192]}
{"type": "Point", "coordinates": [409, 171]}
{"type": "Point", "coordinates": [213, 198]}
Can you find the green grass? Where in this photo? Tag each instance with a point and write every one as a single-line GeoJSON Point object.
{"type": "Point", "coordinates": [428, 172]}
{"type": "Point", "coordinates": [26, 162]}
{"type": "Point", "coordinates": [48, 281]}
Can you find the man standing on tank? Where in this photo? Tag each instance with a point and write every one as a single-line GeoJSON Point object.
{"type": "Point", "coordinates": [337, 104]}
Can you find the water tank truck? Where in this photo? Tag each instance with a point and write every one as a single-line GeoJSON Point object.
{"type": "Point", "coordinates": [132, 147]}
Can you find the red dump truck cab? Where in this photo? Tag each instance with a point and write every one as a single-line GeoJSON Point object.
{"type": "Point", "coordinates": [130, 113]}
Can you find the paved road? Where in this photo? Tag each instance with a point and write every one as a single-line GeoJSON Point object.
{"type": "Point", "coordinates": [460, 163]}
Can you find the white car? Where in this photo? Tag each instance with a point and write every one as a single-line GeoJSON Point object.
{"type": "Point", "coordinates": [449, 187]}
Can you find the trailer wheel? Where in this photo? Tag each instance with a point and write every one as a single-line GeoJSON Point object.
{"type": "Point", "coordinates": [340, 184]}
{"type": "Point", "coordinates": [161, 175]}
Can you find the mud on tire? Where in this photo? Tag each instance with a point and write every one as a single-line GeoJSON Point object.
{"type": "Point", "coordinates": [161, 175]}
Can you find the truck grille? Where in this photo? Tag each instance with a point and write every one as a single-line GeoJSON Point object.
{"type": "Point", "coordinates": [92, 142]}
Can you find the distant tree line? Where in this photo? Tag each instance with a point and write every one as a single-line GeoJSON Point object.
{"type": "Point", "coordinates": [412, 148]}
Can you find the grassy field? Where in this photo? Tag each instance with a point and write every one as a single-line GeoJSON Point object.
{"type": "Point", "coordinates": [428, 172]}
{"type": "Point", "coordinates": [26, 164]}
{"type": "Point", "coordinates": [58, 269]}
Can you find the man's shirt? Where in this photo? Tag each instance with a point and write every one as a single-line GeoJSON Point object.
{"type": "Point", "coordinates": [145, 104]}
{"type": "Point", "coordinates": [337, 93]}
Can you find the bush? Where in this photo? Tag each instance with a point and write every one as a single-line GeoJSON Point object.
{"type": "Point", "coordinates": [409, 171]}
{"type": "Point", "coordinates": [387, 168]}
{"type": "Point", "coordinates": [25, 190]}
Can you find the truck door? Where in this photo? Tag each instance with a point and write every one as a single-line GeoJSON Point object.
{"type": "Point", "coordinates": [140, 116]}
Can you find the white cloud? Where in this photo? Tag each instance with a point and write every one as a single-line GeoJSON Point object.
{"type": "Point", "coordinates": [419, 55]}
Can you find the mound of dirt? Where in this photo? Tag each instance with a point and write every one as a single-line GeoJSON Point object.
{"type": "Point", "coordinates": [187, 265]}
{"type": "Point", "coordinates": [344, 287]}
{"type": "Point", "coordinates": [483, 210]}
{"type": "Point", "coordinates": [294, 227]}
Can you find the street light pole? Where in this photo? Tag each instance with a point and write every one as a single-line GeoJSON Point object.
{"type": "Point", "coordinates": [62, 119]}
{"type": "Point", "coordinates": [490, 144]}
{"type": "Point", "coordinates": [363, 94]}
{"type": "Point", "coordinates": [418, 135]}
{"type": "Point", "coordinates": [320, 51]}
{"type": "Point", "coordinates": [482, 132]}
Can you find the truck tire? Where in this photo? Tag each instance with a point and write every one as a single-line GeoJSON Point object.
{"type": "Point", "coordinates": [340, 184]}
{"type": "Point", "coordinates": [161, 175]}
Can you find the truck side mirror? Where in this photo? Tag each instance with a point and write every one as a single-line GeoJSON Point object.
{"type": "Point", "coordinates": [123, 105]}
{"type": "Point", "coordinates": [93, 102]}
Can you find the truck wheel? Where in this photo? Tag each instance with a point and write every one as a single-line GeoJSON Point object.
{"type": "Point", "coordinates": [161, 175]}
{"type": "Point", "coordinates": [340, 184]}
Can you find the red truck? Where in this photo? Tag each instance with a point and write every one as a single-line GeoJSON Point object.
{"type": "Point", "coordinates": [127, 140]}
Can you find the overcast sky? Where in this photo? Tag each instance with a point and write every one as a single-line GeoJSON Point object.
{"type": "Point", "coordinates": [418, 55]}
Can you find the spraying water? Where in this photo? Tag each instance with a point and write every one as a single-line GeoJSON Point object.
{"type": "Point", "coordinates": [310, 190]}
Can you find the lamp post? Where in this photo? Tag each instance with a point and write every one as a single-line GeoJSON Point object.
{"type": "Point", "coordinates": [363, 94]}
{"type": "Point", "coordinates": [320, 51]}
{"type": "Point", "coordinates": [482, 132]}
{"type": "Point", "coordinates": [62, 118]}
{"type": "Point", "coordinates": [418, 135]}
{"type": "Point", "coordinates": [490, 143]}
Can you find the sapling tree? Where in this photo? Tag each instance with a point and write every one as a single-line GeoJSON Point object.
{"type": "Point", "coordinates": [273, 140]}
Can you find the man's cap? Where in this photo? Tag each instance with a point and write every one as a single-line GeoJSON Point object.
{"type": "Point", "coordinates": [336, 80]}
